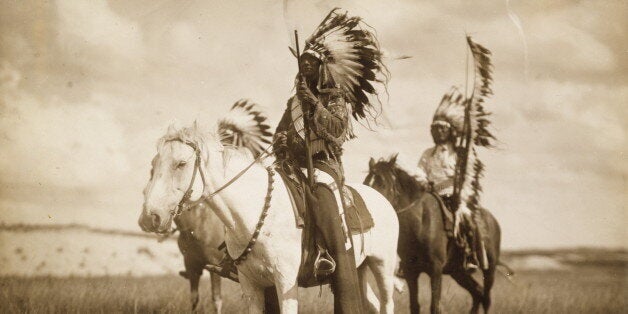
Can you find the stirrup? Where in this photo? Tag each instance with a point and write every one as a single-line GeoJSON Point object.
{"type": "Point", "coordinates": [324, 264]}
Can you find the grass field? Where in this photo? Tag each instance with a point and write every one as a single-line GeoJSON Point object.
{"type": "Point", "coordinates": [581, 290]}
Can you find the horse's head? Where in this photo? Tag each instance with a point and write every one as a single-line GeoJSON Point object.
{"type": "Point", "coordinates": [393, 182]}
{"type": "Point", "coordinates": [382, 178]}
{"type": "Point", "coordinates": [185, 156]}
{"type": "Point", "coordinates": [175, 176]}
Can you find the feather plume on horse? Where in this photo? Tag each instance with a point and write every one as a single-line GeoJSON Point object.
{"type": "Point", "coordinates": [244, 126]}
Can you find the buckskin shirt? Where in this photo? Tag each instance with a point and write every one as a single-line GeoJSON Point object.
{"type": "Point", "coordinates": [438, 165]}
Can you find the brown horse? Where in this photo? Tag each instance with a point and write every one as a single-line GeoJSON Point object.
{"type": "Point", "coordinates": [201, 232]}
{"type": "Point", "coordinates": [423, 245]}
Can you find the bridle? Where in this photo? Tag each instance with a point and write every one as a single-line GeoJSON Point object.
{"type": "Point", "coordinates": [197, 169]}
{"type": "Point", "coordinates": [393, 190]}
{"type": "Point", "coordinates": [205, 196]}
{"type": "Point", "coordinates": [188, 193]}
{"type": "Point", "coordinates": [392, 184]}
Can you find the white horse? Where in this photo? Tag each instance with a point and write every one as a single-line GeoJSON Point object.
{"type": "Point", "coordinates": [201, 232]}
{"type": "Point", "coordinates": [275, 257]}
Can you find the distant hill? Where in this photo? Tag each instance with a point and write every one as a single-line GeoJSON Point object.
{"type": "Point", "coordinates": [565, 258]}
{"type": "Point", "coordinates": [80, 250]}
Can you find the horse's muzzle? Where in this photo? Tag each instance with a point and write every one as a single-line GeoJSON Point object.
{"type": "Point", "coordinates": [151, 222]}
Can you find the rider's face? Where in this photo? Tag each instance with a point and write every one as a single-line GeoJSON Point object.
{"type": "Point", "coordinates": [441, 133]}
{"type": "Point", "coordinates": [309, 67]}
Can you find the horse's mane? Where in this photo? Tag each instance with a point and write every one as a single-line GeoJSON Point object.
{"type": "Point", "coordinates": [403, 182]}
{"type": "Point", "coordinates": [199, 137]}
{"type": "Point", "coordinates": [407, 182]}
{"type": "Point", "coordinates": [191, 134]}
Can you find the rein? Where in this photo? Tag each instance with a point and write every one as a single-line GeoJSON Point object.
{"type": "Point", "coordinates": [260, 222]}
{"type": "Point", "coordinates": [407, 207]}
{"type": "Point", "coordinates": [394, 191]}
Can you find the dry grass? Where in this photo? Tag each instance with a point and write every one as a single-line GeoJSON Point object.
{"type": "Point", "coordinates": [585, 290]}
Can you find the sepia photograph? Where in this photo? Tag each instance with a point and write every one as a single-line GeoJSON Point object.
{"type": "Point", "coordinates": [294, 156]}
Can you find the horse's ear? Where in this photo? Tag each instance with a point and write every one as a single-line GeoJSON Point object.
{"type": "Point", "coordinates": [371, 163]}
{"type": "Point", "coordinates": [393, 159]}
{"type": "Point", "coordinates": [195, 124]}
{"type": "Point", "coordinates": [171, 129]}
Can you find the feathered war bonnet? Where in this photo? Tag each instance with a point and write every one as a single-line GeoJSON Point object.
{"type": "Point", "coordinates": [450, 111]}
{"type": "Point", "coordinates": [351, 60]}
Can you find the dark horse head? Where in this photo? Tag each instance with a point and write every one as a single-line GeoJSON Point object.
{"type": "Point", "coordinates": [385, 176]}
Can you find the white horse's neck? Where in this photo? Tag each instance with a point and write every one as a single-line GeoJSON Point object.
{"type": "Point", "coordinates": [240, 204]}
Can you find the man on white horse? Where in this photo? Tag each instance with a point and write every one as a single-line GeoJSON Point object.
{"type": "Point", "coordinates": [335, 70]}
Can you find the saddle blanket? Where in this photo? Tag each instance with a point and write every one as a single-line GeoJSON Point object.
{"type": "Point", "coordinates": [357, 216]}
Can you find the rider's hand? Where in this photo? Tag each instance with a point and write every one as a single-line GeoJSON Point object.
{"type": "Point", "coordinates": [304, 93]}
{"type": "Point", "coordinates": [427, 186]}
{"type": "Point", "coordinates": [281, 139]}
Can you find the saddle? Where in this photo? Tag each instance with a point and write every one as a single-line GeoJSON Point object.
{"type": "Point", "coordinates": [357, 217]}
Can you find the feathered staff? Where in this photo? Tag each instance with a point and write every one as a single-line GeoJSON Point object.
{"type": "Point", "coordinates": [475, 129]}
{"type": "Point", "coordinates": [470, 169]}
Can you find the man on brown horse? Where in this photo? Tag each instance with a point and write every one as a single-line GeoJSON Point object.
{"type": "Point", "coordinates": [336, 69]}
{"type": "Point", "coordinates": [437, 171]}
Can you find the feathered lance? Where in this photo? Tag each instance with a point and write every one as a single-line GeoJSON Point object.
{"type": "Point", "coordinates": [475, 133]}
{"type": "Point", "coordinates": [306, 122]}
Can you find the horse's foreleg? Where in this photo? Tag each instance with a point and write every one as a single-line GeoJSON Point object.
{"type": "Point", "coordinates": [193, 272]}
{"type": "Point", "coordinates": [194, 280]}
{"type": "Point", "coordinates": [372, 303]}
{"type": "Point", "coordinates": [271, 300]}
{"type": "Point", "coordinates": [412, 279]}
{"type": "Point", "coordinates": [216, 297]}
{"type": "Point", "coordinates": [253, 294]}
{"type": "Point", "coordinates": [287, 294]}
{"type": "Point", "coordinates": [489, 278]}
{"type": "Point", "coordinates": [384, 273]}
{"type": "Point", "coordinates": [466, 281]}
{"type": "Point", "coordinates": [436, 277]}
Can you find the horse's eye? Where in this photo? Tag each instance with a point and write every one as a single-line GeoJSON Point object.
{"type": "Point", "coordinates": [181, 164]}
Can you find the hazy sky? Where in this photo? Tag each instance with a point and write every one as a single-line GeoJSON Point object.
{"type": "Point", "coordinates": [87, 87]}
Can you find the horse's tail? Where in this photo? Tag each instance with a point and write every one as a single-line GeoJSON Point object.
{"type": "Point", "coordinates": [509, 271]}
{"type": "Point", "coordinates": [245, 126]}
